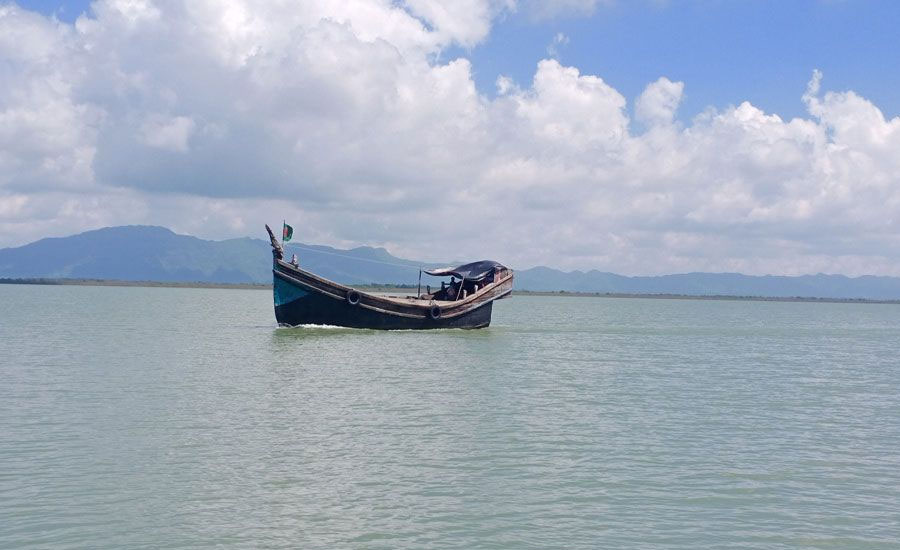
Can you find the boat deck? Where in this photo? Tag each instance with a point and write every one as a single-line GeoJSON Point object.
{"type": "Point", "coordinates": [498, 289]}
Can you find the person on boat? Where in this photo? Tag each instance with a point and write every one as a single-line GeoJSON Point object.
{"type": "Point", "coordinates": [294, 261]}
{"type": "Point", "coordinates": [452, 289]}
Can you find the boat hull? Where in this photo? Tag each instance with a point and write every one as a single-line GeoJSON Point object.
{"type": "Point", "coordinates": [304, 299]}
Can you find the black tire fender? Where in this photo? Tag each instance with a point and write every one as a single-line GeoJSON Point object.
{"type": "Point", "coordinates": [352, 297]}
{"type": "Point", "coordinates": [434, 312]}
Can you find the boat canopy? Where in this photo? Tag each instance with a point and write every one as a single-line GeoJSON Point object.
{"type": "Point", "coordinates": [474, 271]}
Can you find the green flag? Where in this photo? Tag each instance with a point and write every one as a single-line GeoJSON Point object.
{"type": "Point", "coordinates": [286, 233]}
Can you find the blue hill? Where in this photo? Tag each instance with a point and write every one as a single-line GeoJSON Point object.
{"type": "Point", "coordinates": [713, 284]}
{"type": "Point", "coordinates": [148, 253]}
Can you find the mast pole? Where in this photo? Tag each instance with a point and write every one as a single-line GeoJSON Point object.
{"type": "Point", "coordinates": [419, 288]}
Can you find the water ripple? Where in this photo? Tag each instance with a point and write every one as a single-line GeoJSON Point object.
{"type": "Point", "coordinates": [182, 418]}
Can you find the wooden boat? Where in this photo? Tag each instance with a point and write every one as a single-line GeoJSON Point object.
{"type": "Point", "coordinates": [303, 298]}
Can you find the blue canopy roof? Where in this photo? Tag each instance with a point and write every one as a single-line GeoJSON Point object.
{"type": "Point", "coordinates": [474, 271]}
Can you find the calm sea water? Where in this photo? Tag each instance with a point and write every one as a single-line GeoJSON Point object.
{"type": "Point", "coordinates": [182, 418]}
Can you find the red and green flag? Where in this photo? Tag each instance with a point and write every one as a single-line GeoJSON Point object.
{"type": "Point", "coordinates": [286, 233]}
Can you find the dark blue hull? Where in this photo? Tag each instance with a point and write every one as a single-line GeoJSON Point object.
{"type": "Point", "coordinates": [304, 299]}
{"type": "Point", "coordinates": [320, 310]}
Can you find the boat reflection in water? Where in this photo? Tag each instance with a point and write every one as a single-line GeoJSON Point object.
{"type": "Point", "coordinates": [303, 298]}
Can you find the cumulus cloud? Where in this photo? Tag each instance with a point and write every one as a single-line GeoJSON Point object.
{"type": "Point", "coordinates": [47, 136]}
{"type": "Point", "coordinates": [215, 117]}
{"type": "Point", "coordinates": [658, 102]}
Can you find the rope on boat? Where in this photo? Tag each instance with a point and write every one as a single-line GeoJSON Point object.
{"type": "Point", "coordinates": [411, 266]}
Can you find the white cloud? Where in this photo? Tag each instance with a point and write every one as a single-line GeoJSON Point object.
{"type": "Point", "coordinates": [572, 112]}
{"type": "Point", "coordinates": [131, 12]}
{"type": "Point", "coordinates": [344, 118]}
{"type": "Point", "coordinates": [47, 135]}
{"type": "Point", "coordinates": [465, 22]}
{"type": "Point", "coordinates": [658, 102]}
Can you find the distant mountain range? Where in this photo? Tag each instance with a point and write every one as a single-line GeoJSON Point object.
{"type": "Point", "coordinates": [148, 253]}
{"type": "Point", "coordinates": [714, 284]}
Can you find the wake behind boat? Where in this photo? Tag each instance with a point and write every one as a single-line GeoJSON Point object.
{"type": "Point", "coordinates": [304, 298]}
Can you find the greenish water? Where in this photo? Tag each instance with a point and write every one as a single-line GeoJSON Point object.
{"type": "Point", "coordinates": [182, 418]}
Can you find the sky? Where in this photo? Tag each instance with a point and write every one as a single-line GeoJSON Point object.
{"type": "Point", "coordinates": [641, 137]}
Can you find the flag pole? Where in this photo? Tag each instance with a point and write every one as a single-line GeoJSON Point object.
{"type": "Point", "coordinates": [283, 223]}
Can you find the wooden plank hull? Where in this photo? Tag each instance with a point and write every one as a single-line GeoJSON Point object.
{"type": "Point", "coordinates": [302, 298]}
